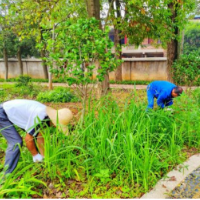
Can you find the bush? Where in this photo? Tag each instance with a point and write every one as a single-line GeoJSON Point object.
{"type": "Point", "coordinates": [186, 70]}
{"type": "Point", "coordinates": [24, 86]}
{"type": "Point", "coordinates": [24, 80]}
{"type": "Point", "coordinates": [59, 94]}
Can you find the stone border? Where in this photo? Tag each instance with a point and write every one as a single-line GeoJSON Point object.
{"type": "Point", "coordinates": [166, 185]}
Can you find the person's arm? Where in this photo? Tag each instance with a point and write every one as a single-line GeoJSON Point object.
{"type": "Point", "coordinates": [31, 144]}
{"type": "Point", "coordinates": [161, 99]}
{"type": "Point", "coordinates": [40, 142]}
{"type": "Point", "coordinates": [169, 103]}
{"type": "Point", "coordinates": [32, 148]}
{"type": "Point", "coordinates": [150, 99]}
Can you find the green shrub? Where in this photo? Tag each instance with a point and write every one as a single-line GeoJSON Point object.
{"type": "Point", "coordinates": [24, 86]}
{"type": "Point", "coordinates": [186, 70]}
{"type": "Point", "coordinates": [24, 80]}
{"type": "Point", "coordinates": [59, 94]}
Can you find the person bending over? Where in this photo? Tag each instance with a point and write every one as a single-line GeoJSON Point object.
{"type": "Point", "coordinates": [164, 92]}
{"type": "Point", "coordinates": [29, 115]}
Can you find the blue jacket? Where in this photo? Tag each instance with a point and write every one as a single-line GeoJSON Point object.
{"type": "Point", "coordinates": [161, 90]}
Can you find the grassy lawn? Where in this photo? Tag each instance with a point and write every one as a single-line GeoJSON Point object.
{"type": "Point", "coordinates": [120, 151]}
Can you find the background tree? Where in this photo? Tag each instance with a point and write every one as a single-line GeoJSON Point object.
{"type": "Point", "coordinates": [154, 19]}
{"type": "Point", "coordinates": [197, 7]}
{"type": "Point", "coordinates": [192, 37]}
{"type": "Point", "coordinates": [157, 20]}
{"type": "Point", "coordinates": [115, 16]}
{"type": "Point", "coordinates": [35, 18]}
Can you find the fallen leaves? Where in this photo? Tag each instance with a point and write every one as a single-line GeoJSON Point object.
{"type": "Point", "coordinates": [164, 186]}
{"type": "Point", "coordinates": [173, 178]}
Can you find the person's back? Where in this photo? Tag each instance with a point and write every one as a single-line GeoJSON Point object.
{"type": "Point", "coordinates": [25, 113]}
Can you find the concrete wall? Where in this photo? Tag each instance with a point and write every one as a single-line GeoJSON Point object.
{"type": "Point", "coordinates": [132, 69]}
{"type": "Point", "coordinates": [143, 69]}
{"type": "Point", "coordinates": [31, 67]}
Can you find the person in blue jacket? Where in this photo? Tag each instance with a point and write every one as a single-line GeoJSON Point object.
{"type": "Point", "coordinates": [164, 92]}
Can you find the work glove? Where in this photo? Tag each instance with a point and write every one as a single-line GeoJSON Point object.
{"type": "Point", "coordinates": [38, 158]}
{"type": "Point", "coordinates": [169, 109]}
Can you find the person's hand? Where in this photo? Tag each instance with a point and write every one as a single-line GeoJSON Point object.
{"type": "Point", "coordinates": [37, 158]}
{"type": "Point", "coordinates": [169, 109]}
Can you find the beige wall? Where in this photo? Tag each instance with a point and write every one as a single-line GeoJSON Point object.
{"type": "Point", "coordinates": [132, 69]}
{"type": "Point", "coordinates": [31, 67]}
{"type": "Point", "coordinates": [143, 69]}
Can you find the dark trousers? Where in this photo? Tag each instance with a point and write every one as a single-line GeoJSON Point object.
{"type": "Point", "coordinates": [14, 140]}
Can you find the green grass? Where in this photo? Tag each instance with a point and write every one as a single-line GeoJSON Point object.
{"type": "Point", "coordinates": [120, 151]}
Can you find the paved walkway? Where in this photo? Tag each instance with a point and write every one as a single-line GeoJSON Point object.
{"type": "Point", "coordinates": [122, 86]}
{"type": "Point", "coordinates": [142, 87]}
{"type": "Point", "coordinates": [113, 86]}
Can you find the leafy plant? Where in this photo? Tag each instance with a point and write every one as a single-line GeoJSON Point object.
{"type": "Point", "coordinates": [59, 94]}
{"type": "Point", "coordinates": [24, 81]}
{"type": "Point", "coordinates": [14, 186]}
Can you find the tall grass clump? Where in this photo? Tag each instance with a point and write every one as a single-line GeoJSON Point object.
{"type": "Point", "coordinates": [138, 145]}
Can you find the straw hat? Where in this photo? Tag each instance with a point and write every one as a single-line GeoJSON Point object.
{"type": "Point", "coordinates": [60, 118]}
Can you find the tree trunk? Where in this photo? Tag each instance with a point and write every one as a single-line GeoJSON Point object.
{"type": "Point", "coordinates": [118, 71]}
{"type": "Point", "coordinates": [44, 65]}
{"type": "Point", "coordinates": [93, 9]}
{"type": "Point", "coordinates": [172, 46]}
{"type": "Point", "coordinates": [20, 60]}
{"type": "Point", "coordinates": [117, 41]}
{"type": "Point", "coordinates": [50, 74]}
{"type": "Point", "coordinates": [42, 53]}
{"type": "Point", "coordinates": [5, 56]}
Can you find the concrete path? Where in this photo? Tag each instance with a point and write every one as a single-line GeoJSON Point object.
{"type": "Point", "coordinates": [142, 87]}
{"type": "Point", "coordinates": [122, 86]}
{"type": "Point", "coordinates": [113, 86]}
{"type": "Point", "coordinates": [178, 177]}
